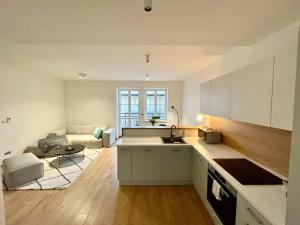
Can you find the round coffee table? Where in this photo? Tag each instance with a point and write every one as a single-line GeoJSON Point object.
{"type": "Point", "coordinates": [67, 150]}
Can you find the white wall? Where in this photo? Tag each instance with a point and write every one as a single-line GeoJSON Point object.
{"type": "Point", "coordinates": [34, 102]}
{"type": "Point", "coordinates": [284, 41]}
{"type": "Point", "coordinates": [88, 102]}
{"type": "Point", "coordinates": [293, 216]}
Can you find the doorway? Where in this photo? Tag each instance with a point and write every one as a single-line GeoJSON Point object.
{"type": "Point", "coordinates": [128, 103]}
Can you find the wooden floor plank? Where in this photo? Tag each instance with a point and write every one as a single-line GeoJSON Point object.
{"type": "Point", "coordinates": [96, 198]}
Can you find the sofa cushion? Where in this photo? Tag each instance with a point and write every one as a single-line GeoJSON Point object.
{"type": "Point", "coordinates": [76, 138]}
{"type": "Point", "coordinates": [83, 129]}
{"type": "Point", "coordinates": [92, 142]}
{"type": "Point", "coordinates": [85, 139]}
{"type": "Point", "coordinates": [98, 133]}
{"type": "Point", "coordinates": [87, 129]}
{"type": "Point", "coordinates": [74, 129]}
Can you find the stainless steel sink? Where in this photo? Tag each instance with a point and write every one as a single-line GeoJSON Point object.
{"type": "Point", "coordinates": [173, 140]}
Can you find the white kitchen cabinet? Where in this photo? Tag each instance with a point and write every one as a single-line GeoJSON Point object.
{"type": "Point", "coordinates": [246, 214]}
{"type": "Point", "coordinates": [124, 163]}
{"type": "Point", "coordinates": [284, 90]}
{"type": "Point", "coordinates": [251, 93]}
{"type": "Point", "coordinates": [199, 174]}
{"type": "Point", "coordinates": [220, 96]}
{"type": "Point", "coordinates": [146, 163]}
{"type": "Point", "coordinates": [195, 172]}
{"type": "Point", "coordinates": [176, 163]}
{"type": "Point", "coordinates": [205, 98]}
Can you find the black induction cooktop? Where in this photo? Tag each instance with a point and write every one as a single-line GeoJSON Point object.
{"type": "Point", "coordinates": [247, 173]}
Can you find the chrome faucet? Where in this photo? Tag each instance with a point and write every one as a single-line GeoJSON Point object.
{"type": "Point", "coordinates": [173, 131]}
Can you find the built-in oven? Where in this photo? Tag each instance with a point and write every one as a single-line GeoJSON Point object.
{"type": "Point", "coordinates": [222, 197]}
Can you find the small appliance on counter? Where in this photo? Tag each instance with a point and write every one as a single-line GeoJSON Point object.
{"type": "Point", "coordinates": [210, 136]}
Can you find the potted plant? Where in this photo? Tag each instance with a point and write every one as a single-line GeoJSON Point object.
{"type": "Point", "coordinates": [153, 120]}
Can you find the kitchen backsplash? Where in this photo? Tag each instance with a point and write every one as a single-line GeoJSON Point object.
{"type": "Point", "coordinates": [269, 146]}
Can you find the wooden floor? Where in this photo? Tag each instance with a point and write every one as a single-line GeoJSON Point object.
{"type": "Point", "coordinates": [96, 199]}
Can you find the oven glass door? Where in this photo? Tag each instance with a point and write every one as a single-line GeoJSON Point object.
{"type": "Point", "coordinates": [224, 208]}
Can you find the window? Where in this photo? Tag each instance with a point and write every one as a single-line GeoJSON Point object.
{"type": "Point", "coordinates": [128, 107]}
{"type": "Point", "coordinates": [156, 103]}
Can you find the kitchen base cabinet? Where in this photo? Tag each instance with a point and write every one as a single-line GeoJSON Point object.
{"type": "Point", "coordinates": [247, 214]}
{"type": "Point", "coordinates": [146, 163]}
{"type": "Point", "coordinates": [124, 163]}
{"type": "Point", "coordinates": [199, 174]}
{"type": "Point", "coordinates": [154, 165]}
{"type": "Point", "coordinates": [176, 163]}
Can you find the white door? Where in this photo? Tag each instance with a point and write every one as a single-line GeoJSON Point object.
{"type": "Point", "coordinates": [128, 108]}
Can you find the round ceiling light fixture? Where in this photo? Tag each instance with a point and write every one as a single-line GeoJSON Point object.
{"type": "Point", "coordinates": [82, 76]}
{"type": "Point", "coordinates": [148, 5]}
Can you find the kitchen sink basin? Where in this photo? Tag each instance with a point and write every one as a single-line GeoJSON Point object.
{"type": "Point", "coordinates": [174, 140]}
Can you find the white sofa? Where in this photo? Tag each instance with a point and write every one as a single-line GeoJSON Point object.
{"type": "Point", "coordinates": [80, 134]}
{"type": "Point", "coordinates": [83, 134]}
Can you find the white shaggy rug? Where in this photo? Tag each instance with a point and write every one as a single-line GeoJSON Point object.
{"type": "Point", "coordinates": [60, 175]}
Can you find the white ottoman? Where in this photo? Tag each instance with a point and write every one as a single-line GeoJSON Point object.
{"type": "Point", "coordinates": [22, 169]}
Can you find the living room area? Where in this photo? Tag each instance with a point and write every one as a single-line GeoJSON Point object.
{"type": "Point", "coordinates": [127, 112]}
{"type": "Point", "coordinates": [45, 115]}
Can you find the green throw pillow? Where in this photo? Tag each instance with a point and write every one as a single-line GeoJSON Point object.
{"type": "Point", "coordinates": [98, 132]}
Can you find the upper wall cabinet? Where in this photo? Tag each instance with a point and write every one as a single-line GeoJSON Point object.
{"type": "Point", "coordinates": [251, 93]}
{"type": "Point", "coordinates": [284, 91]}
{"type": "Point", "coordinates": [205, 98]}
{"type": "Point", "coordinates": [220, 96]}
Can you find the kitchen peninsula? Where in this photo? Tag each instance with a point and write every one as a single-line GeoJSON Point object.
{"type": "Point", "coordinates": [157, 131]}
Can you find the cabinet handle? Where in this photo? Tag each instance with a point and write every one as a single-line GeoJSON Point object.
{"type": "Point", "coordinates": [258, 220]}
{"type": "Point", "coordinates": [175, 150]}
{"type": "Point", "coordinates": [147, 150]}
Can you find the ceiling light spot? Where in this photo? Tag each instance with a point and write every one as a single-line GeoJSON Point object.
{"type": "Point", "coordinates": [82, 76]}
{"type": "Point", "coordinates": [148, 5]}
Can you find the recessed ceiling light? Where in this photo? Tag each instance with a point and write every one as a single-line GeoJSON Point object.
{"type": "Point", "coordinates": [82, 76]}
{"type": "Point", "coordinates": [147, 77]}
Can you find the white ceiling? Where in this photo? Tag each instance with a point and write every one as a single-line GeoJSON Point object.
{"type": "Point", "coordinates": [113, 62]}
{"type": "Point", "coordinates": [107, 39]}
{"type": "Point", "coordinates": [171, 22]}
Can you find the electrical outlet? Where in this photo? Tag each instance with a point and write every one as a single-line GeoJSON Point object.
{"type": "Point", "coordinates": [7, 153]}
